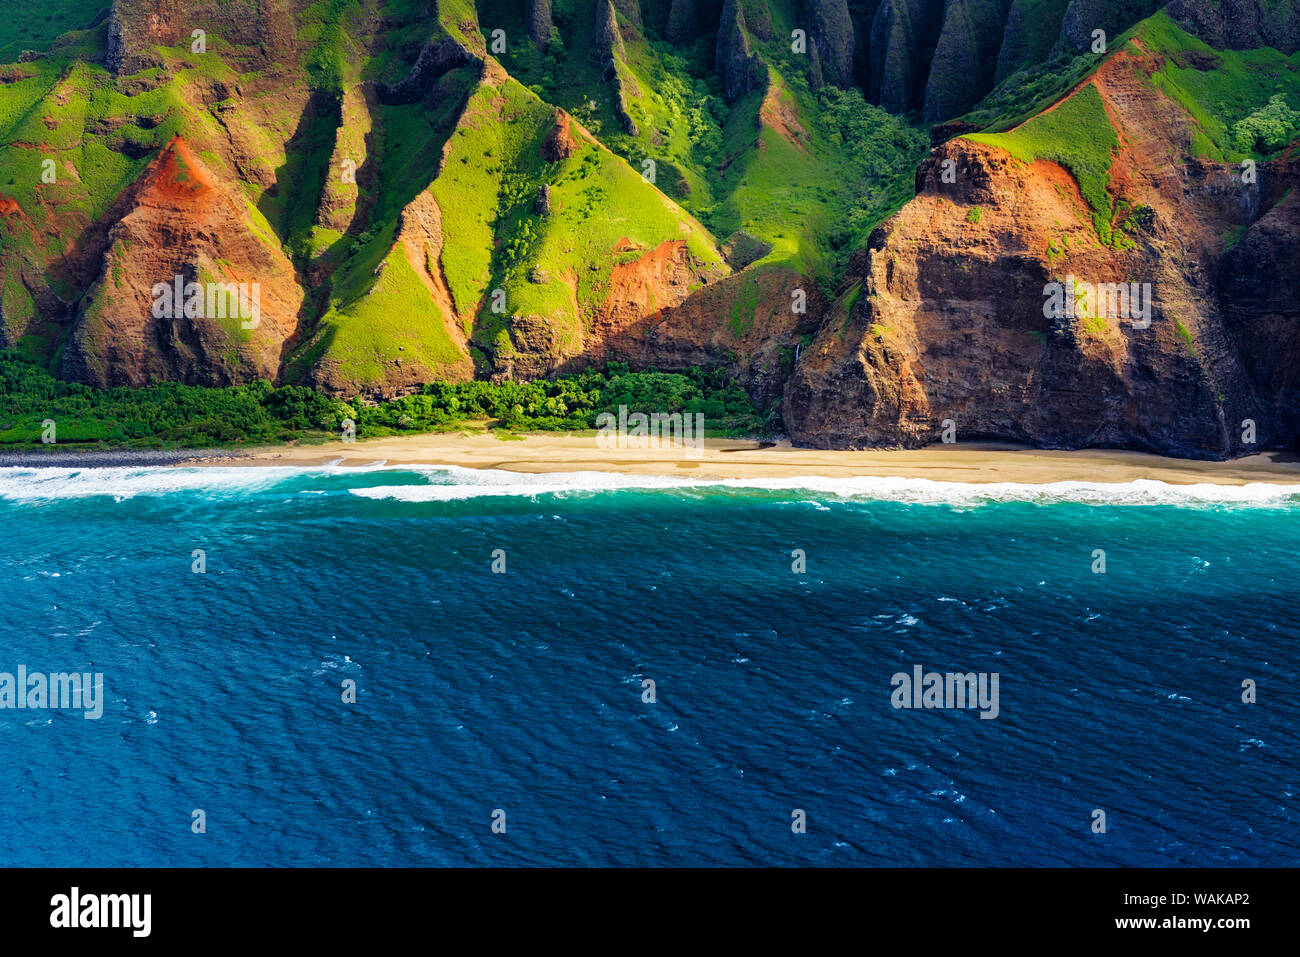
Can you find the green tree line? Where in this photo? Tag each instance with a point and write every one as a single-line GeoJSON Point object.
{"type": "Point", "coordinates": [171, 415]}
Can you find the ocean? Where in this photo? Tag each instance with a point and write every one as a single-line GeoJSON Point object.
{"type": "Point", "coordinates": [499, 632]}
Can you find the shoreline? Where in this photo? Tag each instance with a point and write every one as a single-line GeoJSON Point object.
{"type": "Point", "coordinates": [720, 459]}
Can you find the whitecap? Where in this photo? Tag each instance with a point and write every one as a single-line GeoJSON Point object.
{"type": "Point", "coordinates": [474, 483]}
{"type": "Point", "coordinates": [451, 483]}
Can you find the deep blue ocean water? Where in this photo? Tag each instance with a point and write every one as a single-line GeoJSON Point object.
{"type": "Point", "coordinates": [522, 691]}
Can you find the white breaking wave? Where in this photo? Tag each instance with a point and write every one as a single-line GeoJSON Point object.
{"type": "Point", "coordinates": [478, 483]}
{"type": "Point", "coordinates": [454, 483]}
{"type": "Point", "coordinates": [129, 481]}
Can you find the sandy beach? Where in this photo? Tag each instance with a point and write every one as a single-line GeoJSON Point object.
{"type": "Point", "coordinates": [741, 459]}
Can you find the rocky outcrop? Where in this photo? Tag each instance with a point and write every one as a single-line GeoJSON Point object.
{"type": "Point", "coordinates": [612, 53]}
{"type": "Point", "coordinates": [342, 201]}
{"type": "Point", "coordinates": [631, 13]}
{"type": "Point", "coordinates": [1240, 24]}
{"type": "Point", "coordinates": [606, 36]}
{"type": "Point", "coordinates": [1081, 18]}
{"type": "Point", "coordinates": [542, 205]}
{"type": "Point", "coordinates": [621, 111]}
{"type": "Point", "coordinates": [1020, 39]}
{"type": "Point", "coordinates": [136, 25]}
{"type": "Point", "coordinates": [559, 144]}
{"type": "Point", "coordinates": [741, 70]}
{"type": "Point", "coordinates": [539, 22]}
{"type": "Point", "coordinates": [816, 78]}
{"type": "Point", "coordinates": [256, 38]}
{"type": "Point", "coordinates": [685, 328]}
{"type": "Point", "coordinates": [832, 33]}
{"type": "Point", "coordinates": [1259, 293]}
{"type": "Point", "coordinates": [950, 320]}
{"type": "Point", "coordinates": [181, 226]}
{"type": "Point", "coordinates": [436, 58]}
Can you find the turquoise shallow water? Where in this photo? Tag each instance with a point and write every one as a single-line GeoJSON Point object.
{"type": "Point", "coordinates": [522, 691]}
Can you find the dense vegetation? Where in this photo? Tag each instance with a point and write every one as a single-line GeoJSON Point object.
{"type": "Point", "coordinates": [182, 416]}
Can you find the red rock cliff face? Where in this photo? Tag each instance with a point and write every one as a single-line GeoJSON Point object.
{"type": "Point", "coordinates": [179, 221]}
{"type": "Point", "coordinates": [950, 324]}
{"type": "Point", "coordinates": [744, 320]}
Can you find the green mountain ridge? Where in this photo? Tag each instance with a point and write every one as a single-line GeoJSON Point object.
{"type": "Point", "coordinates": [486, 189]}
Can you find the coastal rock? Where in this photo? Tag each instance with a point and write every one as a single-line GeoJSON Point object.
{"type": "Point", "coordinates": [950, 322]}
{"type": "Point", "coordinates": [1259, 293]}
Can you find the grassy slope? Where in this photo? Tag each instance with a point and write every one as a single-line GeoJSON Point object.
{"type": "Point", "coordinates": [671, 102]}
{"type": "Point", "coordinates": [1079, 135]}
{"type": "Point", "coordinates": [33, 26]}
{"type": "Point", "coordinates": [377, 302]}
{"type": "Point", "coordinates": [1238, 83]}
{"type": "Point", "coordinates": [67, 108]}
{"type": "Point", "coordinates": [817, 196]}
{"type": "Point", "coordinates": [716, 160]}
{"type": "Point", "coordinates": [487, 192]}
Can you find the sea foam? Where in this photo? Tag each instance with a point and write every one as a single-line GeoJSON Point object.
{"type": "Point", "coordinates": [477, 483]}
{"type": "Point", "coordinates": [454, 483]}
